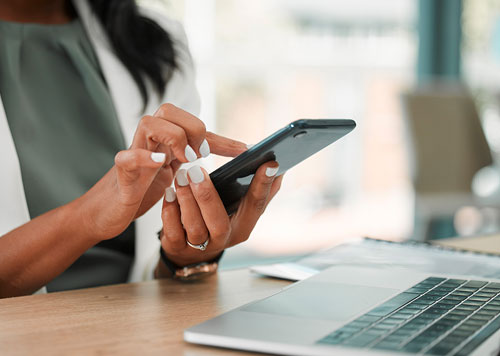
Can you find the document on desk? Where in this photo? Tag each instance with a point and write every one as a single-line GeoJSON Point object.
{"type": "Point", "coordinates": [417, 256]}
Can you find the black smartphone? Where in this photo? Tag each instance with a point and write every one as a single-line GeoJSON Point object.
{"type": "Point", "coordinates": [288, 146]}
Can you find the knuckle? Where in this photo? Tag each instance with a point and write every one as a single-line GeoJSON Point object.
{"type": "Point", "coordinates": [221, 231]}
{"type": "Point", "coordinates": [166, 109]}
{"type": "Point", "coordinates": [196, 231]}
{"type": "Point", "coordinates": [129, 160]}
{"type": "Point", "coordinates": [259, 204]}
{"type": "Point", "coordinates": [145, 121]}
{"type": "Point", "coordinates": [243, 238]}
{"type": "Point", "coordinates": [176, 135]}
{"type": "Point", "coordinates": [119, 158]}
{"type": "Point", "coordinates": [171, 244]}
{"type": "Point", "coordinates": [199, 129]}
{"type": "Point", "coordinates": [205, 196]}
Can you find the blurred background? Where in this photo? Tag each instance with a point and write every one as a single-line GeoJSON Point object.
{"type": "Point", "coordinates": [420, 77]}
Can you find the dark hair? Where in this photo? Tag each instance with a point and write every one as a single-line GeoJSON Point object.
{"type": "Point", "coordinates": [146, 49]}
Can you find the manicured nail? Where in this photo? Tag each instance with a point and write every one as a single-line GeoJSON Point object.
{"type": "Point", "coordinates": [196, 174]}
{"type": "Point", "coordinates": [158, 157]}
{"type": "Point", "coordinates": [271, 171]}
{"type": "Point", "coordinates": [170, 194]}
{"type": "Point", "coordinates": [250, 145]}
{"type": "Point", "coordinates": [190, 154]}
{"type": "Point", "coordinates": [182, 178]}
{"type": "Point", "coordinates": [204, 149]}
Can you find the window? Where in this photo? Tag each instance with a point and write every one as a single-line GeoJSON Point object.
{"type": "Point", "coordinates": [264, 63]}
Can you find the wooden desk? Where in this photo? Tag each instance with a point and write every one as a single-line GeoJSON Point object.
{"type": "Point", "coordinates": [486, 244]}
{"type": "Point", "coordinates": [128, 319]}
{"type": "Point", "coordinates": [139, 318]}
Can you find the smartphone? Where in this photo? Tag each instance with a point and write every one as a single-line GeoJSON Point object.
{"type": "Point", "coordinates": [288, 146]}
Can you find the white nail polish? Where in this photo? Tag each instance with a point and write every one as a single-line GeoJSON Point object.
{"type": "Point", "coordinates": [204, 149]}
{"type": "Point", "coordinates": [250, 145]}
{"type": "Point", "coordinates": [182, 179]}
{"type": "Point", "coordinates": [190, 154]}
{"type": "Point", "coordinates": [170, 194]}
{"type": "Point", "coordinates": [271, 171]}
{"type": "Point", "coordinates": [196, 174]}
{"type": "Point", "coordinates": [158, 157]}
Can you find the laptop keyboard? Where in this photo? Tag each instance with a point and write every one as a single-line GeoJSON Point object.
{"type": "Point", "coordinates": [437, 316]}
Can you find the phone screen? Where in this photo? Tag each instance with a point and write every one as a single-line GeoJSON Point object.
{"type": "Point", "coordinates": [288, 146]}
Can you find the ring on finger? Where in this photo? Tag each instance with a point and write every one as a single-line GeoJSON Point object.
{"type": "Point", "coordinates": [201, 247]}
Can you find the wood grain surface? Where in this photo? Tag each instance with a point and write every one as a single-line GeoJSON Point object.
{"type": "Point", "coordinates": [145, 318]}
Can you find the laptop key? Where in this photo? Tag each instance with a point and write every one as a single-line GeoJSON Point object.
{"type": "Point", "coordinates": [479, 338]}
{"type": "Point", "coordinates": [488, 295]}
{"type": "Point", "coordinates": [387, 345]}
{"type": "Point", "coordinates": [415, 346]}
{"type": "Point", "coordinates": [475, 284]}
{"type": "Point", "coordinates": [417, 290]}
{"type": "Point", "coordinates": [455, 281]}
{"type": "Point", "coordinates": [368, 318]}
{"type": "Point", "coordinates": [393, 304]}
{"type": "Point", "coordinates": [441, 349]}
{"type": "Point", "coordinates": [434, 280]}
{"type": "Point", "coordinates": [359, 324]}
{"type": "Point", "coordinates": [361, 340]}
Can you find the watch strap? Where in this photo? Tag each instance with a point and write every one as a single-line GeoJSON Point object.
{"type": "Point", "coordinates": [193, 271]}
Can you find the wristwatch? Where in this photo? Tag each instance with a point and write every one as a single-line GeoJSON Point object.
{"type": "Point", "coordinates": [191, 272]}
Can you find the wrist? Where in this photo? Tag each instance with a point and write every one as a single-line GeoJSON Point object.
{"type": "Point", "coordinates": [80, 212]}
{"type": "Point", "coordinates": [183, 261]}
{"type": "Point", "coordinates": [166, 268]}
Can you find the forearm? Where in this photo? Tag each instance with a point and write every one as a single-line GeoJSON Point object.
{"type": "Point", "coordinates": [38, 251]}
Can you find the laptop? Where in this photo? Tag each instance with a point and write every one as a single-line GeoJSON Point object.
{"type": "Point", "coordinates": [351, 310]}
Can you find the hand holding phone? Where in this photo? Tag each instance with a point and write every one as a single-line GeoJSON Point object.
{"type": "Point", "coordinates": [288, 146]}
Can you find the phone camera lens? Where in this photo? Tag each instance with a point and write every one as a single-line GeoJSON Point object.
{"type": "Point", "coordinates": [300, 134]}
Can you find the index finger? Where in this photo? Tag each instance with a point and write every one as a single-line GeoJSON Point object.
{"type": "Point", "coordinates": [224, 146]}
{"type": "Point", "coordinates": [194, 128]}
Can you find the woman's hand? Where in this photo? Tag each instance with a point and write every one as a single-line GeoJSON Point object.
{"type": "Point", "coordinates": [36, 252]}
{"type": "Point", "coordinates": [195, 213]}
{"type": "Point", "coordinates": [138, 179]}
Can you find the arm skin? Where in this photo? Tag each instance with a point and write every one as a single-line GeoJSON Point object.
{"type": "Point", "coordinates": [38, 251]}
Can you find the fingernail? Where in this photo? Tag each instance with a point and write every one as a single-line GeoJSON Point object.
{"type": "Point", "coordinates": [250, 145]}
{"type": "Point", "coordinates": [158, 157]}
{"type": "Point", "coordinates": [190, 154]}
{"type": "Point", "coordinates": [204, 149]}
{"type": "Point", "coordinates": [170, 194]}
{"type": "Point", "coordinates": [182, 179]}
{"type": "Point", "coordinates": [196, 174]}
{"type": "Point", "coordinates": [271, 171]}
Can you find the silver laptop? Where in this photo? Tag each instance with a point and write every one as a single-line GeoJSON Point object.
{"type": "Point", "coordinates": [364, 311]}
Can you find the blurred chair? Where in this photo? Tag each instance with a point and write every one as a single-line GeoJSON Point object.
{"type": "Point", "coordinates": [447, 147]}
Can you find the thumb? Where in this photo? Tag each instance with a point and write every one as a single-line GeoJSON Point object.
{"type": "Point", "coordinates": [224, 146]}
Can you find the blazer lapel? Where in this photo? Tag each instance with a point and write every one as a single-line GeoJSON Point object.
{"type": "Point", "coordinates": [128, 105]}
{"type": "Point", "coordinates": [124, 92]}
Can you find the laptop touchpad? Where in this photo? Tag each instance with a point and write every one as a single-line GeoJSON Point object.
{"type": "Point", "coordinates": [328, 301]}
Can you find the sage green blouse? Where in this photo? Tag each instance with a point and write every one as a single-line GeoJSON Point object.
{"type": "Point", "coordinates": [65, 131]}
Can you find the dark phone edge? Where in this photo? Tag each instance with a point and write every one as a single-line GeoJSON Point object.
{"type": "Point", "coordinates": [278, 136]}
